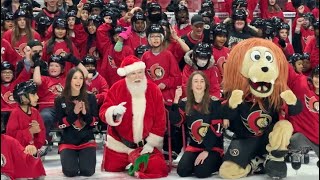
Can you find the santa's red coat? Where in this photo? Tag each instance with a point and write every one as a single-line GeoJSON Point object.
{"type": "Point", "coordinates": [144, 117]}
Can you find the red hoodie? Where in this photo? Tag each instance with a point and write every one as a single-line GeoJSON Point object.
{"type": "Point", "coordinates": [306, 122]}
{"type": "Point", "coordinates": [15, 163]}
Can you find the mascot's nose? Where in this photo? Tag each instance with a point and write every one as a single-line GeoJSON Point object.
{"type": "Point", "coordinates": [265, 69]}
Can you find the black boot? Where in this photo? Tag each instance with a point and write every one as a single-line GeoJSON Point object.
{"type": "Point", "coordinates": [276, 169]}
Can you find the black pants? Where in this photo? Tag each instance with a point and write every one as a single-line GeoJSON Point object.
{"type": "Point", "coordinates": [210, 165]}
{"type": "Point", "coordinates": [78, 162]}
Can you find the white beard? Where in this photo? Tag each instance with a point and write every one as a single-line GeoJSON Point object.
{"type": "Point", "coordinates": [137, 89]}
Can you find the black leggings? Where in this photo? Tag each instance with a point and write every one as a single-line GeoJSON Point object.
{"type": "Point", "coordinates": [210, 165]}
{"type": "Point", "coordinates": [78, 162]}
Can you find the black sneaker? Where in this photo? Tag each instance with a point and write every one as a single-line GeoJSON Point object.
{"type": "Point", "coordinates": [166, 155]}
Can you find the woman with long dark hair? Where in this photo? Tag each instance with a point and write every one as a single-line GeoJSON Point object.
{"type": "Point", "coordinates": [60, 43]}
{"type": "Point", "coordinates": [76, 111]}
{"type": "Point", "coordinates": [22, 31]}
{"type": "Point", "coordinates": [202, 114]}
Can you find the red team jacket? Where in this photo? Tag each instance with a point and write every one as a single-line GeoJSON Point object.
{"type": "Point", "coordinates": [15, 163]}
{"type": "Point", "coordinates": [7, 101]}
{"type": "Point", "coordinates": [19, 124]}
{"type": "Point", "coordinates": [163, 68]}
{"type": "Point", "coordinates": [307, 122]}
{"type": "Point", "coordinates": [8, 53]}
{"type": "Point", "coordinates": [21, 44]}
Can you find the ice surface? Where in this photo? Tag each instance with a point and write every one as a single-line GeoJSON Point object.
{"type": "Point", "coordinates": [53, 169]}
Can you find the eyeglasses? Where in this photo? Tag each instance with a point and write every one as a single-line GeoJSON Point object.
{"type": "Point", "coordinates": [155, 36]}
{"type": "Point", "coordinates": [6, 73]}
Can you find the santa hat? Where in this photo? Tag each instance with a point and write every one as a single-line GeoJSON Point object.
{"type": "Point", "coordinates": [130, 64]}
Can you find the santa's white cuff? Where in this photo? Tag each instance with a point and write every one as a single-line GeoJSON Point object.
{"type": "Point", "coordinates": [155, 140]}
{"type": "Point", "coordinates": [109, 117]}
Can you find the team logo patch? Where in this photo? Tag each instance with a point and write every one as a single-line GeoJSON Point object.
{"type": "Point", "coordinates": [3, 160]}
{"type": "Point", "coordinates": [257, 122]}
{"type": "Point", "coordinates": [94, 52]}
{"type": "Point", "coordinates": [8, 97]}
{"type": "Point", "coordinates": [56, 89]}
{"type": "Point", "coordinates": [234, 152]}
{"type": "Point", "coordinates": [20, 49]}
{"type": "Point", "coordinates": [312, 103]}
{"type": "Point", "coordinates": [198, 130]}
{"type": "Point", "coordinates": [60, 52]}
{"type": "Point", "coordinates": [156, 72]}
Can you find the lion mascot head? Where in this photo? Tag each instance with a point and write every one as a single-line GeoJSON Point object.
{"type": "Point", "coordinates": [259, 68]}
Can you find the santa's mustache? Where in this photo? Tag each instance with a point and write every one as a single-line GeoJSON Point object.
{"type": "Point", "coordinates": [137, 80]}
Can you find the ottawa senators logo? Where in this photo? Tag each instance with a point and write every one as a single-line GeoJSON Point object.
{"type": "Point", "coordinates": [94, 52]}
{"type": "Point", "coordinates": [112, 62]}
{"type": "Point", "coordinates": [156, 72]}
{"type": "Point", "coordinates": [60, 52]}
{"type": "Point", "coordinates": [312, 103]}
{"type": "Point", "coordinates": [8, 97]}
{"type": "Point", "coordinates": [220, 63]}
{"type": "Point", "coordinates": [78, 124]}
{"type": "Point", "coordinates": [56, 89]}
{"type": "Point", "coordinates": [257, 122]}
{"type": "Point", "coordinates": [20, 49]}
{"type": "Point", "coordinates": [198, 130]}
{"type": "Point", "coordinates": [3, 160]}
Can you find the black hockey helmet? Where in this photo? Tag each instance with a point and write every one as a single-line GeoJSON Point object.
{"type": "Point", "coordinates": [141, 49]}
{"type": "Point", "coordinates": [220, 29]}
{"type": "Point", "coordinates": [202, 50]}
{"type": "Point", "coordinates": [239, 14]}
{"type": "Point", "coordinates": [258, 22]}
{"type": "Point", "coordinates": [89, 60]}
{"type": "Point", "coordinates": [5, 65]}
{"type": "Point", "coordinates": [57, 59]}
{"type": "Point", "coordinates": [22, 13]}
{"type": "Point", "coordinates": [240, 3]}
{"type": "Point", "coordinates": [295, 57]}
{"type": "Point", "coordinates": [96, 19]}
{"type": "Point", "coordinates": [306, 56]}
{"type": "Point", "coordinates": [60, 23]}
{"type": "Point", "coordinates": [155, 28]}
{"type": "Point", "coordinates": [24, 89]}
{"type": "Point", "coordinates": [71, 13]}
{"type": "Point", "coordinates": [284, 25]}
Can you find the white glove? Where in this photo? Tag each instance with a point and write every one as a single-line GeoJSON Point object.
{"type": "Point", "coordinates": [120, 109]}
{"type": "Point", "coordinates": [147, 148]}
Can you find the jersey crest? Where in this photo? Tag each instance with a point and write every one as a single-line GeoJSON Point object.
{"type": "Point", "coordinates": [257, 122]}
{"type": "Point", "coordinates": [312, 103]}
{"type": "Point", "coordinates": [156, 72]}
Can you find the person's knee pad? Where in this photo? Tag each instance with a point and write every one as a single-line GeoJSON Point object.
{"type": "Point", "coordinates": [70, 173]}
{"type": "Point", "coordinates": [231, 170]}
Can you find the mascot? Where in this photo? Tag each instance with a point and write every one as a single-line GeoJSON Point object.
{"type": "Point", "coordinates": [255, 86]}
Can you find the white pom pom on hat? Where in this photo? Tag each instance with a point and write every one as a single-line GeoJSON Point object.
{"type": "Point", "coordinates": [130, 64]}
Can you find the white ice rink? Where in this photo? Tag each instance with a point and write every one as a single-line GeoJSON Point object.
{"type": "Point", "coordinates": [53, 169]}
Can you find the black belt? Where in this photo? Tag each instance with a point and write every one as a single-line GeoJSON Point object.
{"type": "Point", "coordinates": [130, 144]}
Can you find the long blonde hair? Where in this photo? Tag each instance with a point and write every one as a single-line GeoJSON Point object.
{"type": "Point", "coordinates": [233, 79]}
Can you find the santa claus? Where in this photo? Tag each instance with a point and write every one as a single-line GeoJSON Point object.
{"type": "Point", "coordinates": [134, 110]}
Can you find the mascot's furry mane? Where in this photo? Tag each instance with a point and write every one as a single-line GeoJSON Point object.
{"type": "Point", "coordinates": [233, 79]}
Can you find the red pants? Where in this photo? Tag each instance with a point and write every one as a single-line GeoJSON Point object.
{"type": "Point", "coordinates": [117, 162]}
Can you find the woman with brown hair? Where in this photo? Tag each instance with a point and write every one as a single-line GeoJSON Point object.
{"type": "Point", "coordinates": [76, 111]}
{"type": "Point", "coordinates": [203, 116]}
{"type": "Point", "coordinates": [22, 31]}
{"type": "Point", "coordinates": [270, 8]}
